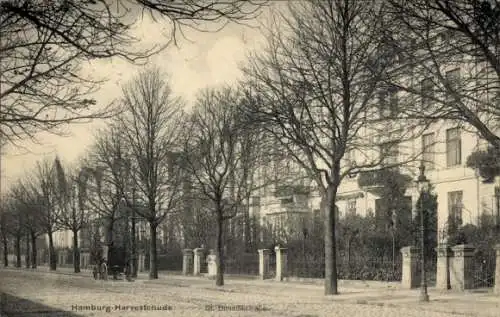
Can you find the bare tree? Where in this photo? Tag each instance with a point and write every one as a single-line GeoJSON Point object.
{"type": "Point", "coordinates": [42, 86]}
{"type": "Point", "coordinates": [221, 155]}
{"type": "Point", "coordinates": [71, 199]}
{"type": "Point", "coordinates": [315, 89]}
{"type": "Point", "coordinates": [4, 231]}
{"type": "Point", "coordinates": [30, 208]}
{"type": "Point", "coordinates": [44, 44]}
{"type": "Point", "coordinates": [451, 49]}
{"type": "Point", "coordinates": [15, 225]}
{"type": "Point", "coordinates": [44, 186]}
{"type": "Point", "coordinates": [105, 175]}
{"type": "Point", "coordinates": [194, 224]}
{"type": "Point", "coordinates": [150, 125]}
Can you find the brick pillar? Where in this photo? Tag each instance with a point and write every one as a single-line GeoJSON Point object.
{"type": "Point", "coordinates": [497, 270]}
{"type": "Point", "coordinates": [411, 273]}
{"type": "Point", "coordinates": [281, 263]}
{"type": "Point", "coordinates": [461, 275]}
{"type": "Point", "coordinates": [198, 258]}
{"type": "Point", "coordinates": [264, 255]}
{"type": "Point", "coordinates": [187, 261]}
{"type": "Point", "coordinates": [444, 255]}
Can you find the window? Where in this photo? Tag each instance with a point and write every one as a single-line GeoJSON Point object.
{"type": "Point", "coordinates": [351, 207]}
{"type": "Point", "coordinates": [427, 91]}
{"type": "Point", "coordinates": [350, 160]}
{"type": "Point", "coordinates": [389, 153]}
{"type": "Point", "coordinates": [453, 82]}
{"type": "Point", "coordinates": [382, 104]}
{"type": "Point", "coordinates": [413, 43]}
{"type": "Point", "coordinates": [256, 200]}
{"type": "Point", "coordinates": [453, 147]}
{"type": "Point", "coordinates": [393, 101]}
{"type": "Point", "coordinates": [388, 102]}
{"type": "Point", "coordinates": [428, 150]}
{"type": "Point", "coordinates": [286, 200]}
{"type": "Point", "coordinates": [349, 157]}
{"type": "Point", "coordinates": [455, 206]}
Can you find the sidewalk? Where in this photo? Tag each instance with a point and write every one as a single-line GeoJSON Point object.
{"type": "Point", "coordinates": [470, 303]}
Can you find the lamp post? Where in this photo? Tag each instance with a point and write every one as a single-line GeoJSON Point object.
{"type": "Point", "coordinates": [497, 202]}
{"type": "Point", "coordinates": [393, 233]}
{"type": "Point", "coordinates": [423, 187]}
{"type": "Point", "coordinates": [144, 243]}
{"type": "Point", "coordinates": [305, 232]}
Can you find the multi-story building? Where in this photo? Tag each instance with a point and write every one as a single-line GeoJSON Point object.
{"type": "Point", "coordinates": [442, 146]}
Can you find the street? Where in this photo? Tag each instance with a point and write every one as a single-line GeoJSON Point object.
{"type": "Point", "coordinates": [40, 293]}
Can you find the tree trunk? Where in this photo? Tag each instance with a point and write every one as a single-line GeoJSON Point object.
{"type": "Point", "coordinates": [153, 255]}
{"type": "Point", "coordinates": [109, 237]}
{"type": "Point", "coordinates": [246, 226]}
{"type": "Point", "coordinates": [52, 252]}
{"type": "Point", "coordinates": [134, 250]}
{"type": "Point", "coordinates": [304, 256]}
{"type": "Point", "coordinates": [27, 255]}
{"type": "Point", "coordinates": [34, 253]}
{"type": "Point", "coordinates": [5, 253]}
{"type": "Point", "coordinates": [330, 241]}
{"type": "Point", "coordinates": [219, 280]}
{"type": "Point", "coordinates": [18, 251]}
{"type": "Point", "coordinates": [76, 252]}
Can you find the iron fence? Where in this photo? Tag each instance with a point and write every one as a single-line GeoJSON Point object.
{"type": "Point", "coordinates": [245, 264]}
{"type": "Point", "coordinates": [272, 264]}
{"type": "Point", "coordinates": [376, 269]}
{"type": "Point", "coordinates": [483, 269]}
{"type": "Point", "coordinates": [170, 262]}
{"type": "Point", "coordinates": [309, 268]}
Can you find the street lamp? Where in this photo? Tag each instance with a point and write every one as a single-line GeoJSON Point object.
{"type": "Point", "coordinates": [423, 188]}
{"type": "Point", "coordinates": [497, 201]}
{"type": "Point", "coordinates": [394, 219]}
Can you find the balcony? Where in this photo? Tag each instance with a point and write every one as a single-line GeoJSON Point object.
{"type": "Point", "coordinates": [292, 190]}
{"type": "Point", "coordinates": [375, 181]}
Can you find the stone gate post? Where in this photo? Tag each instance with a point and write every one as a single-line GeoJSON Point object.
{"type": "Point", "coordinates": [497, 270]}
{"type": "Point", "coordinates": [281, 263]}
{"type": "Point", "coordinates": [410, 270]}
{"type": "Point", "coordinates": [141, 262]}
{"type": "Point", "coordinates": [187, 261]}
{"type": "Point", "coordinates": [461, 274]}
{"type": "Point", "coordinates": [198, 258]}
{"type": "Point", "coordinates": [264, 255]}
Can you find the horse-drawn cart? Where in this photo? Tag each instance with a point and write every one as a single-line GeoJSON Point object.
{"type": "Point", "coordinates": [109, 260]}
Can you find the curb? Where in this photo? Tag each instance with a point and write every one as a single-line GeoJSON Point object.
{"type": "Point", "coordinates": [82, 274]}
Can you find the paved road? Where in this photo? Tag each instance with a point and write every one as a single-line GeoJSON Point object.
{"type": "Point", "coordinates": [40, 293]}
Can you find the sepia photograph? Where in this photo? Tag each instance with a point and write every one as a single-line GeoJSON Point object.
{"type": "Point", "coordinates": [274, 158]}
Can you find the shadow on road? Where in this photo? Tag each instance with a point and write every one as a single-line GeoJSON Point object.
{"type": "Point", "coordinates": [13, 306]}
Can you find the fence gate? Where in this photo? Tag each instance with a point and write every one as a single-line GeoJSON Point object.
{"type": "Point", "coordinates": [483, 270]}
{"type": "Point", "coordinates": [272, 264]}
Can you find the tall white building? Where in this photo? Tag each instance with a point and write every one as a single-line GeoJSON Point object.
{"type": "Point", "coordinates": [443, 146]}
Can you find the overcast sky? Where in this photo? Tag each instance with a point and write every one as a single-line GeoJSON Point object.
{"type": "Point", "coordinates": [208, 59]}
